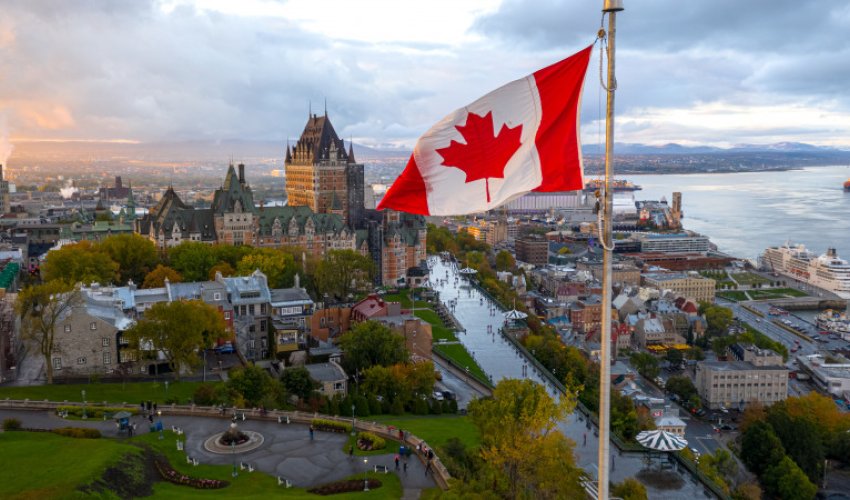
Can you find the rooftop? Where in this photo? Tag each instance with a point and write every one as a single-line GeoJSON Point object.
{"type": "Point", "coordinates": [326, 372]}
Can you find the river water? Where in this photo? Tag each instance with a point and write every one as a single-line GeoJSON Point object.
{"type": "Point", "coordinates": [743, 213]}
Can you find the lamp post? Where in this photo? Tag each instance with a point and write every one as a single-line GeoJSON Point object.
{"type": "Point", "coordinates": [166, 388]}
{"type": "Point", "coordinates": [159, 421]}
{"type": "Point", "coordinates": [365, 475]}
{"type": "Point", "coordinates": [353, 421]}
{"type": "Point", "coordinates": [205, 365]}
{"type": "Point", "coordinates": [84, 404]}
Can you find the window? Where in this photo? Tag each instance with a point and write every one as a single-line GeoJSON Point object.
{"type": "Point", "coordinates": [104, 342]}
{"type": "Point", "coordinates": [263, 325]}
{"type": "Point", "coordinates": [107, 358]}
{"type": "Point", "coordinates": [81, 361]}
{"type": "Point", "coordinates": [226, 314]}
{"type": "Point", "coordinates": [252, 344]}
{"type": "Point", "coordinates": [67, 328]}
{"type": "Point", "coordinates": [93, 325]}
{"type": "Point", "coordinates": [57, 363]}
{"type": "Point", "coordinates": [216, 296]}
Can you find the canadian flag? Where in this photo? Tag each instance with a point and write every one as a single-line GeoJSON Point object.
{"type": "Point", "coordinates": [519, 138]}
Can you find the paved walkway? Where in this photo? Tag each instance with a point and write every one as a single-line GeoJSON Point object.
{"type": "Point", "coordinates": [287, 450]}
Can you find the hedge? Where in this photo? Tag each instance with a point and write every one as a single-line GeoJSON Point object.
{"type": "Point", "coordinates": [321, 424]}
{"type": "Point", "coordinates": [77, 432]}
{"type": "Point", "coordinates": [367, 441]}
{"type": "Point", "coordinates": [94, 411]}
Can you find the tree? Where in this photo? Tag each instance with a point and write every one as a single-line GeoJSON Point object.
{"type": "Point", "coordinates": [787, 481]}
{"type": "Point", "coordinates": [681, 386]}
{"type": "Point", "coordinates": [674, 356]}
{"type": "Point", "coordinates": [178, 330]}
{"type": "Point", "coordinates": [801, 439]}
{"type": "Point", "coordinates": [136, 255]}
{"type": "Point", "coordinates": [40, 309]}
{"type": "Point", "coordinates": [719, 319]}
{"type": "Point", "coordinates": [646, 364]}
{"type": "Point", "coordinates": [79, 263]}
{"type": "Point", "coordinates": [760, 447]}
{"type": "Point", "coordinates": [371, 343]}
{"type": "Point", "coordinates": [522, 448]}
{"type": "Point", "coordinates": [222, 267]}
{"type": "Point", "coordinates": [256, 386]}
{"type": "Point", "coordinates": [193, 260]}
{"type": "Point", "coordinates": [343, 272]}
{"type": "Point", "coordinates": [279, 267]}
{"type": "Point", "coordinates": [629, 489]}
{"type": "Point", "coordinates": [695, 353]}
{"type": "Point", "coordinates": [504, 261]}
{"type": "Point", "coordinates": [157, 277]}
{"type": "Point", "coordinates": [747, 491]}
{"type": "Point", "coordinates": [297, 381]}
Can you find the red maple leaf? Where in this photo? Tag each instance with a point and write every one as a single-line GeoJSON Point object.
{"type": "Point", "coordinates": [484, 156]}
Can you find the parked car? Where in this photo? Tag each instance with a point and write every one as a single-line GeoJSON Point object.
{"type": "Point", "coordinates": [449, 395]}
{"type": "Point", "coordinates": [226, 348]}
{"type": "Point", "coordinates": [438, 395]}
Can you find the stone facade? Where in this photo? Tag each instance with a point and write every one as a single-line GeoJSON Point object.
{"type": "Point", "coordinates": [690, 285]}
{"type": "Point", "coordinates": [728, 384]}
{"type": "Point", "coordinates": [84, 345]}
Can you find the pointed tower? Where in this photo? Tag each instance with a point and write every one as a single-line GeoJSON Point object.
{"type": "Point", "coordinates": [131, 203]}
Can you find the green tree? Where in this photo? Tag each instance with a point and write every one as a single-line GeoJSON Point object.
{"type": "Point", "coordinates": [371, 343]}
{"type": "Point", "coordinates": [787, 481]}
{"type": "Point", "coordinates": [719, 319]}
{"type": "Point", "coordinates": [747, 491]}
{"type": "Point", "coordinates": [297, 381]}
{"type": "Point", "coordinates": [760, 447]}
{"type": "Point", "coordinates": [524, 452]}
{"type": "Point", "coordinates": [674, 356]}
{"type": "Point", "coordinates": [136, 255]}
{"type": "Point", "coordinates": [695, 353]}
{"type": "Point", "coordinates": [681, 386]}
{"type": "Point", "coordinates": [629, 489]}
{"type": "Point", "coordinates": [801, 439]}
{"type": "Point", "coordinates": [157, 277]}
{"type": "Point", "coordinates": [193, 260]}
{"type": "Point", "coordinates": [178, 330]}
{"type": "Point", "coordinates": [79, 263]}
{"type": "Point", "coordinates": [343, 272]}
{"type": "Point", "coordinates": [504, 261]}
{"type": "Point", "coordinates": [256, 386]}
{"type": "Point", "coordinates": [646, 364]}
{"type": "Point", "coordinates": [279, 267]}
{"type": "Point", "coordinates": [41, 308]}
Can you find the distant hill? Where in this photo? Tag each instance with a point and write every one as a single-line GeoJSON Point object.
{"type": "Point", "coordinates": [679, 149]}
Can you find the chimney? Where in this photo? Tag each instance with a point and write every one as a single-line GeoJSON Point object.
{"type": "Point", "coordinates": [297, 281]}
{"type": "Point", "coordinates": [241, 173]}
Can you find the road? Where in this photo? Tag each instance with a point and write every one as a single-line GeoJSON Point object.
{"type": "Point", "coordinates": [500, 359]}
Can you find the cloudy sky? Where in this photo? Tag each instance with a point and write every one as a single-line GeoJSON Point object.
{"type": "Point", "coordinates": [717, 72]}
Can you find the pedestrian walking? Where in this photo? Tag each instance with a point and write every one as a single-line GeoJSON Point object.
{"type": "Point", "coordinates": [150, 417]}
{"type": "Point", "coordinates": [154, 406]}
{"type": "Point", "coordinates": [351, 451]}
{"type": "Point", "coordinates": [396, 461]}
{"type": "Point", "coordinates": [311, 433]}
{"type": "Point", "coordinates": [428, 468]}
{"type": "Point", "coordinates": [405, 467]}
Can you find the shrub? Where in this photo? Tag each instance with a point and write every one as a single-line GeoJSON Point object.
{"type": "Point", "coordinates": [367, 441]}
{"type": "Point", "coordinates": [375, 407]}
{"type": "Point", "coordinates": [397, 407]}
{"type": "Point", "coordinates": [453, 406]}
{"type": "Point", "coordinates": [205, 395]}
{"type": "Point", "coordinates": [361, 406]}
{"type": "Point", "coordinates": [345, 486]}
{"type": "Point", "coordinates": [11, 424]}
{"type": "Point", "coordinates": [172, 476]}
{"type": "Point", "coordinates": [94, 411]}
{"type": "Point", "coordinates": [436, 407]}
{"type": "Point", "coordinates": [78, 432]}
{"type": "Point", "coordinates": [420, 406]}
{"type": "Point", "coordinates": [321, 424]}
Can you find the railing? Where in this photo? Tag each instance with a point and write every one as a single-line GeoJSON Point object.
{"type": "Point", "coordinates": [440, 473]}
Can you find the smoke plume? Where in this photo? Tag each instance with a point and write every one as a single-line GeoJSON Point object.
{"type": "Point", "coordinates": [68, 190]}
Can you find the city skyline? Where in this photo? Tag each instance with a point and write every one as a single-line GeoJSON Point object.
{"type": "Point", "coordinates": [718, 74]}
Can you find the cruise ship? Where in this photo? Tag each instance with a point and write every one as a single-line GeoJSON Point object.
{"type": "Point", "coordinates": [827, 271]}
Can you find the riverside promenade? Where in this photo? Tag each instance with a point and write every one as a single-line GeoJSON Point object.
{"type": "Point", "coordinates": [499, 358]}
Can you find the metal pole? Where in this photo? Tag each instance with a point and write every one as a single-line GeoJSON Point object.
{"type": "Point", "coordinates": [611, 7]}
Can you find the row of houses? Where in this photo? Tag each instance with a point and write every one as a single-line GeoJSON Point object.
{"type": "Point", "coordinates": [265, 323]}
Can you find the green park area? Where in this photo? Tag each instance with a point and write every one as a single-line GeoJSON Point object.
{"type": "Point", "coordinates": [735, 295]}
{"type": "Point", "coordinates": [452, 349]}
{"type": "Point", "coordinates": [437, 430]}
{"type": "Point", "coordinates": [44, 465]}
{"type": "Point", "coordinates": [748, 278]}
{"type": "Point", "coordinates": [113, 393]}
{"type": "Point", "coordinates": [776, 293]}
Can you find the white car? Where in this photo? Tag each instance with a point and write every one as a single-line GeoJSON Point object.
{"type": "Point", "coordinates": [438, 395]}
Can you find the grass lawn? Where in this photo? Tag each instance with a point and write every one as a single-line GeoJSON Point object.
{"type": "Point", "coordinates": [436, 430]}
{"type": "Point", "coordinates": [747, 278]}
{"type": "Point", "coordinates": [737, 296]}
{"type": "Point", "coordinates": [131, 392]}
{"type": "Point", "coordinates": [776, 293]}
{"type": "Point", "coordinates": [459, 354]}
{"type": "Point", "coordinates": [44, 465]}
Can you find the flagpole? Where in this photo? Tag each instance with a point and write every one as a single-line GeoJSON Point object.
{"type": "Point", "coordinates": [611, 7]}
